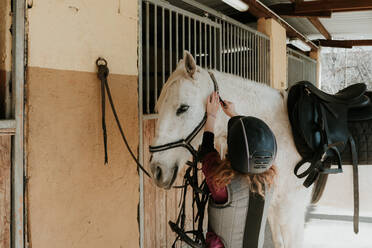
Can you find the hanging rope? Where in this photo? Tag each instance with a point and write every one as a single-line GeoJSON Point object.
{"type": "Point", "coordinates": [103, 73]}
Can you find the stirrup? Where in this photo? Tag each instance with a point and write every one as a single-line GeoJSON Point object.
{"type": "Point", "coordinates": [333, 148]}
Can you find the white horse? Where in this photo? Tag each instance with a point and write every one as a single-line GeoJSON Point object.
{"type": "Point", "coordinates": [181, 107]}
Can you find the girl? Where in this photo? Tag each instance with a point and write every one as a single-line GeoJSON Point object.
{"type": "Point", "coordinates": [240, 185]}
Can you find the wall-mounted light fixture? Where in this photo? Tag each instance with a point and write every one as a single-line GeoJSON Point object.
{"type": "Point", "coordinates": [237, 4]}
{"type": "Point", "coordinates": [300, 45]}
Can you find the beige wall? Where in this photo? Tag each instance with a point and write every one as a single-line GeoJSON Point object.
{"type": "Point", "coordinates": [5, 35]}
{"type": "Point", "coordinates": [278, 51]}
{"type": "Point", "coordinates": [74, 199]}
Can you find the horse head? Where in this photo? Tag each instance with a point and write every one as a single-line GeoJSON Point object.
{"type": "Point", "coordinates": [181, 108]}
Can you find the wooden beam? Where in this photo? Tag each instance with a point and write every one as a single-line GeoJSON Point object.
{"type": "Point", "coordinates": [312, 7]}
{"type": "Point", "coordinates": [259, 10]}
{"type": "Point", "coordinates": [289, 10]}
{"type": "Point", "coordinates": [318, 25]}
{"type": "Point", "coordinates": [344, 43]}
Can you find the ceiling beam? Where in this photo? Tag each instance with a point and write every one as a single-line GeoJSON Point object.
{"type": "Point", "coordinates": [343, 43]}
{"type": "Point", "coordinates": [318, 6]}
{"type": "Point", "coordinates": [258, 9]}
{"type": "Point", "coordinates": [288, 10]}
{"type": "Point", "coordinates": [320, 27]}
{"type": "Point", "coordinates": [316, 23]}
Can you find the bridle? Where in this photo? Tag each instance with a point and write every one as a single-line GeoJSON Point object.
{"type": "Point", "coordinates": [186, 143]}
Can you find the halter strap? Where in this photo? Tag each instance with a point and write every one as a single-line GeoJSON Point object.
{"type": "Point", "coordinates": [186, 143]}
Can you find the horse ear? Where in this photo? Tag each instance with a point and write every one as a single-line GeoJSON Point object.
{"type": "Point", "coordinates": [190, 64]}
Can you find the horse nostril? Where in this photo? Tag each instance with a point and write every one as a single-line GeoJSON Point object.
{"type": "Point", "coordinates": [158, 173]}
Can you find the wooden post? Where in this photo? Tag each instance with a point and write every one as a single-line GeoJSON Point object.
{"type": "Point", "coordinates": [316, 55]}
{"type": "Point", "coordinates": [278, 51]}
{"type": "Point", "coordinates": [5, 151]}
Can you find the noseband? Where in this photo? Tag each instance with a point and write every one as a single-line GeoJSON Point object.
{"type": "Point", "coordinates": [186, 143]}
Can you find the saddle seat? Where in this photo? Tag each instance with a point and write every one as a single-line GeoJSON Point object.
{"type": "Point", "coordinates": [361, 112]}
{"type": "Point", "coordinates": [352, 95]}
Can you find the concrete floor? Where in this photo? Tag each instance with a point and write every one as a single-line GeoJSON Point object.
{"type": "Point", "coordinates": [337, 234]}
{"type": "Point", "coordinates": [328, 232]}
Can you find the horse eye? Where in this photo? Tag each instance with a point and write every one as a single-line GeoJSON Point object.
{"type": "Point", "coordinates": [182, 109]}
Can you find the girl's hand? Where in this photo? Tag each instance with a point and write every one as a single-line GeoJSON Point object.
{"type": "Point", "coordinates": [212, 108]}
{"type": "Point", "coordinates": [229, 108]}
{"type": "Point", "coordinates": [213, 105]}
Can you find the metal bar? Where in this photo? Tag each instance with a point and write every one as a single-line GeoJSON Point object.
{"type": "Point", "coordinates": [221, 16]}
{"type": "Point", "coordinates": [267, 56]}
{"type": "Point", "coordinates": [189, 37]}
{"type": "Point", "coordinates": [183, 35]}
{"type": "Point", "coordinates": [269, 63]}
{"type": "Point", "coordinates": [240, 54]}
{"type": "Point", "coordinates": [195, 39]}
{"type": "Point", "coordinates": [245, 53]}
{"type": "Point", "coordinates": [18, 166]}
{"type": "Point", "coordinates": [230, 49]}
{"type": "Point", "coordinates": [255, 59]}
{"type": "Point", "coordinates": [210, 47]}
{"type": "Point", "coordinates": [215, 48]}
{"type": "Point", "coordinates": [220, 48]}
{"type": "Point", "coordinates": [147, 58]}
{"type": "Point", "coordinates": [150, 117]}
{"type": "Point", "coordinates": [170, 42]}
{"type": "Point", "coordinates": [228, 37]}
{"type": "Point", "coordinates": [291, 51]}
{"type": "Point", "coordinates": [200, 44]}
{"type": "Point", "coordinates": [259, 60]}
{"type": "Point", "coordinates": [176, 38]}
{"type": "Point", "coordinates": [249, 54]}
{"type": "Point", "coordinates": [7, 124]}
{"type": "Point", "coordinates": [140, 124]}
{"type": "Point", "coordinates": [223, 51]}
{"type": "Point", "coordinates": [155, 53]}
{"type": "Point", "coordinates": [173, 8]}
{"type": "Point", "coordinates": [235, 53]}
{"type": "Point", "coordinates": [162, 47]}
{"type": "Point", "coordinates": [264, 60]}
{"type": "Point", "coordinates": [252, 57]}
{"type": "Point", "coordinates": [205, 46]}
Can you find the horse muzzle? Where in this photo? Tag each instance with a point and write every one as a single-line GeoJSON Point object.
{"type": "Point", "coordinates": [163, 178]}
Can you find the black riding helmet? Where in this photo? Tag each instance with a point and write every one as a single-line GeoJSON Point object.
{"type": "Point", "coordinates": [251, 144]}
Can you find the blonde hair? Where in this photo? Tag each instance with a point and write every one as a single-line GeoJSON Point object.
{"type": "Point", "coordinates": [224, 173]}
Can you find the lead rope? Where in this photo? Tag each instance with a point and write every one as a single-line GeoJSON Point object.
{"type": "Point", "coordinates": [102, 74]}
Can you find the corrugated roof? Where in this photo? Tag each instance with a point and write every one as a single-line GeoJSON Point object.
{"type": "Point", "coordinates": [350, 25]}
{"type": "Point", "coordinates": [342, 25]}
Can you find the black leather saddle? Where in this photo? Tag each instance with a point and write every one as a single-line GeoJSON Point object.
{"type": "Point", "coordinates": [320, 125]}
{"type": "Point", "coordinates": [321, 130]}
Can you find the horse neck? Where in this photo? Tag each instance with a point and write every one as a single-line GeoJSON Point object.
{"type": "Point", "coordinates": [250, 98]}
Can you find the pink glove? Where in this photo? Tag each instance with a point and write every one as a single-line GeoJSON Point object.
{"type": "Point", "coordinates": [213, 241]}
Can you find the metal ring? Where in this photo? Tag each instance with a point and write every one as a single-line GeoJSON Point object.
{"type": "Point", "coordinates": [101, 61]}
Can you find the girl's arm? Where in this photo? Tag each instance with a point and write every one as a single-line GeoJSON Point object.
{"type": "Point", "coordinates": [209, 156]}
